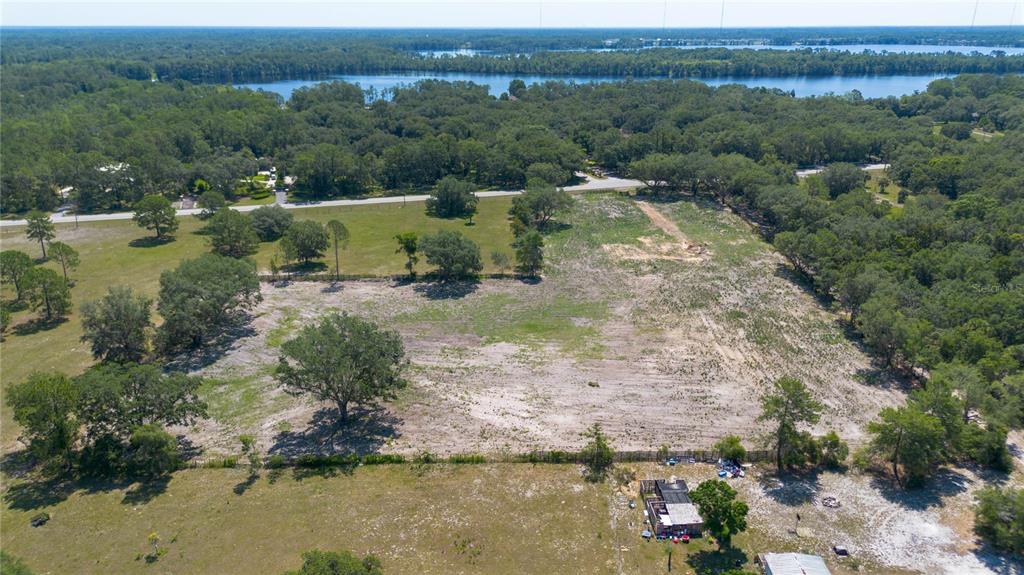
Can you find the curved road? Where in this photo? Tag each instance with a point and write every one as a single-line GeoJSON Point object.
{"type": "Point", "coordinates": [609, 183]}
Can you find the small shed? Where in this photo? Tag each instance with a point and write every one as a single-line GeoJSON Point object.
{"type": "Point", "coordinates": [792, 564]}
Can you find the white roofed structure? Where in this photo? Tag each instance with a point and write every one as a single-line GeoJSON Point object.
{"type": "Point", "coordinates": [793, 564]}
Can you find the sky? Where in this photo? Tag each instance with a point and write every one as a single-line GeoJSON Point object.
{"type": "Point", "coordinates": [513, 13]}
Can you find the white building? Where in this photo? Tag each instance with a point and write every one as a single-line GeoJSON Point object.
{"type": "Point", "coordinates": [792, 564]}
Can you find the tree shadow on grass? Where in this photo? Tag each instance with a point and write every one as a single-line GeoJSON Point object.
{"type": "Point", "coordinates": [366, 431]}
{"type": "Point", "coordinates": [942, 484]}
{"type": "Point", "coordinates": [242, 486]}
{"type": "Point", "coordinates": [150, 241]}
{"type": "Point", "coordinates": [709, 562]}
{"type": "Point", "coordinates": [35, 493]}
{"type": "Point", "coordinates": [37, 325]}
{"type": "Point", "coordinates": [437, 290]}
{"type": "Point", "coordinates": [147, 490]}
{"type": "Point", "coordinates": [305, 268]}
{"type": "Point", "coordinates": [792, 488]}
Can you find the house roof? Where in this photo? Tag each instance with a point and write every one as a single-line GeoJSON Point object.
{"type": "Point", "coordinates": [674, 491]}
{"type": "Point", "coordinates": [794, 564]}
{"type": "Point", "coordinates": [681, 514]}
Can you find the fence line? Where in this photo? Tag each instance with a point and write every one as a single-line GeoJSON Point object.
{"type": "Point", "coordinates": [419, 278]}
{"type": "Point", "coordinates": [547, 456]}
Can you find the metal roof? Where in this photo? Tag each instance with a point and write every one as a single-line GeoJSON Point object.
{"type": "Point", "coordinates": [794, 564]}
{"type": "Point", "coordinates": [682, 514]}
{"type": "Point", "coordinates": [673, 491]}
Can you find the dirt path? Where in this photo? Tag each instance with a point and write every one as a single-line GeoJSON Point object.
{"type": "Point", "coordinates": [659, 219]}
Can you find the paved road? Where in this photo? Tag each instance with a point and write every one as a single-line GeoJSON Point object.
{"type": "Point", "coordinates": [866, 167]}
{"type": "Point", "coordinates": [589, 185]}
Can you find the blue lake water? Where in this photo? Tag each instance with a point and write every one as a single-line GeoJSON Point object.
{"type": "Point", "coordinates": [869, 86]}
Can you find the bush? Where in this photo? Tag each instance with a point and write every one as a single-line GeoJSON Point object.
{"type": "Point", "coordinates": [275, 462]}
{"type": "Point", "coordinates": [382, 459]}
{"type": "Point", "coordinates": [153, 451]}
{"type": "Point", "coordinates": [425, 458]}
{"type": "Point", "coordinates": [834, 450]}
{"type": "Point", "coordinates": [550, 457]}
{"type": "Point", "coordinates": [471, 458]}
{"type": "Point", "coordinates": [344, 563]}
{"type": "Point", "coordinates": [999, 518]}
{"type": "Point", "coordinates": [987, 446]}
{"type": "Point", "coordinates": [226, 463]}
{"type": "Point", "coordinates": [730, 447]}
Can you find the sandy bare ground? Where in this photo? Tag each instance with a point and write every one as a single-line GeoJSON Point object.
{"type": "Point", "coordinates": [663, 357]}
{"type": "Point", "coordinates": [926, 530]}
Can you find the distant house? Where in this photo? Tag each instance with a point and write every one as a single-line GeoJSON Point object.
{"type": "Point", "coordinates": [669, 508]}
{"type": "Point", "coordinates": [792, 564]}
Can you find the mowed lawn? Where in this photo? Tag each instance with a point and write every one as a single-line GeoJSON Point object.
{"type": "Point", "coordinates": [109, 258]}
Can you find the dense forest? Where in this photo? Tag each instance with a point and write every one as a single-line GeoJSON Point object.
{"type": "Point", "coordinates": [239, 56]}
{"type": "Point", "coordinates": [936, 282]}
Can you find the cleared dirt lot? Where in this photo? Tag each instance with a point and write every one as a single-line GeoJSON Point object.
{"type": "Point", "coordinates": [660, 350]}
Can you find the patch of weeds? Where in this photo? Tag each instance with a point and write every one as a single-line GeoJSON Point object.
{"type": "Point", "coordinates": [735, 315]}
{"type": "Point", "coordinates": [241, 401]}
{"type": "Point", "coordinates": [468, 547]}
{"type": "Point", "coordinates": [277, 336]}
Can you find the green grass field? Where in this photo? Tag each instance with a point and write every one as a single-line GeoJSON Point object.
{"type": "Point", "coordinates": [892, 190]}
{"type": "Point", "coordinates": [492, 518]}
{"type": "Point", "coordinates": [110, 258]}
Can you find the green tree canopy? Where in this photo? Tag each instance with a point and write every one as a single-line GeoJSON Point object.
{"type": "Point", "coordinates": [408, 243]}
{"type": "Point", "coordinates": [452, 198]}
{"type": "Point", "coordinates": [723, 516]}
{"type": "Point", "coordinates": [156, 213]}
{"type": "Point", "coordinates": [339, 237]}
{"type": "Point", "coordinates": [232, 234]}
{"type": "Point", "coordinates": [66, 256]}
{"type": "Point", "coordinates": [39, 228]}
{"type": "Point", "coordinates": [14, 269]}
{"type": "Point", "coordinates": [117, 326]}
{"type": "Point", "coordinates": [455, 255]}
{"type": "Point", "coordinates": [201, 297]}
{"type": "Point", "coordinates": [211, 202]}
{"type": "Point", "coordinates": [787, 405]}
{"type": "Point", "coordinates": [270, 222]}
{"type": "Point", "coordinates": [345, 360]}
{"type": "Point", "coordinates": [304, 240]}
{"type": "Point", "coordinates": [843, 177]}
{"type": "Point", "coordinates": [999, 518]}
{"type": "Point", "coordinates": [115, 399]}
{"type": "Point", "coordinates": [537, 206]}
{"type": "Point", "coordinates": [44, 405]}
{"type": "Point", "coordinates": [597, 455]}
{"type": "Point", "coordinates": [909, 439]}
{"type": "Point", "coordinates": [529, 249]}
{"type": "Point", "coordinates": [47, 291]}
